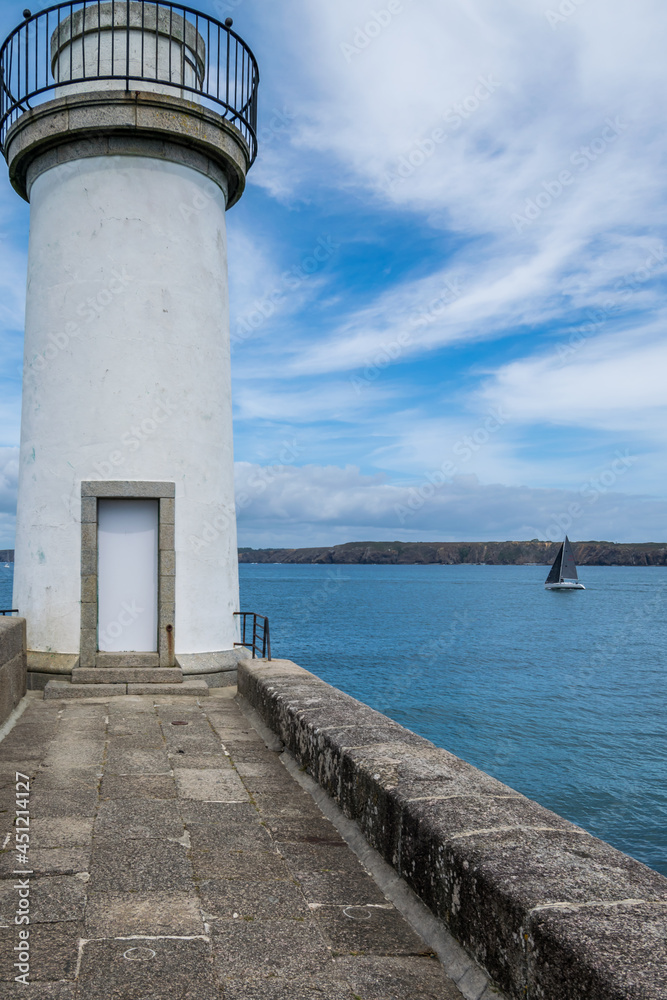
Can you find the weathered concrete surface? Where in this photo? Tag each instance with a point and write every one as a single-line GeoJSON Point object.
{"type": "Point", "coordinates": [127, 675]}
{"type": "Point", "coordinates": [45, 667]}
{"type": "Point", "coordinates": [69, 690]}
{"type": "Point", "coordinates": [551, 912]}
{"type": "Point", "coordinates": [217, 669]}
{"type": "Point", "coordinates": [13, 664]}
{"type": "Point", "coordinates": [182, 862]}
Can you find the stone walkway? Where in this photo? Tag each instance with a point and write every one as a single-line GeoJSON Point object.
{"type": "Point", "coordinates": [175, 858]}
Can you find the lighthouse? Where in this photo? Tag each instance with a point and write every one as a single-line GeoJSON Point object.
{"type": "Point", "coordinates": [129, 127]}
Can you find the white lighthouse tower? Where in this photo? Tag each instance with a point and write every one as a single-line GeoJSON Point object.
{"type": "Point", "coordinates": [129, 127]}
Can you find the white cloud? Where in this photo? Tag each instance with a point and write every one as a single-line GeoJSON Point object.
{"type": "Point", "coordinates": [612, 382]}
{"type": "Point", "coordinates": [353, 123]}
{"type": "Point", "coordinates": [9, 469]}
{"type": "Point", "coordinates": [332, 401]}
{"type": "Point", "coordinates": [314, 505]}
{"type": "Point", "coordinates": [9, 474]}
{"type": "Point", "coordinates": [556, 93]}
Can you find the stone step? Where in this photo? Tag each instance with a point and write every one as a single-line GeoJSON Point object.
{"type": "Point", "coordinates": [127, 660]}
{"type": "Point", "coordinates": [127, 675]}
{"type": "Point", "coordinates": [65, 689]}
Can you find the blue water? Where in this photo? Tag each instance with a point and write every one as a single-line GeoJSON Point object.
{"type": "Point", "coordinates": [6, 578]}
{"type": "Point", "coordinates": [563, 696]}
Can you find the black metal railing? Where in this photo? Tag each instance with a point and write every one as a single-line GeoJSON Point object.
{"type": "Point", "coordinates": [9, 611]}
{"type": "Point", "coordinates": [135, 42]}
{"type": "Point", "coordinates": [256, 636]}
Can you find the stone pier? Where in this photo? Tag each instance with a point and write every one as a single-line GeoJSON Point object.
{"type": "Point", "coordinates": [174, 857]}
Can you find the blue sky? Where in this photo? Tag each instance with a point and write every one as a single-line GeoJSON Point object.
{"type": "Point", "coordinates": [447, 274]}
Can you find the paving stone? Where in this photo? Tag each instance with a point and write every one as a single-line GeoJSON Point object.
{"type": "Point", "coordinates": [170, 849]}
{"type": "Point", "coordinates": [307, 830]}
{"type": "Point", "coordinates": [55, 861]}
{"type": "Point", "coordinates": [215, 785]}
{"type": "Point", "coordinates": [149, 740]}
{"type": "Point", "coordinates": [257, 949]}
{"type": "Point", "coordinates": [261, 866]}
{"type": "Point", "coordinates": [51, 778]}
{"type": "Point", "coordinates": [134, 819]}
{"type": "Point", "coordinates": [246, 749]}
{"type": "Point", "coordinates": [78, 803]}
{"type": "Point", "coordinates": [145, 727]}
{"type": "Point", "coordinates": [144, 786]}
{"type": "Point", "coordinates": [196, 735]}
{"type": "Point", "coordinates": [375, 930]}
{"type": "Point", "coordinates": [147, 970]}
{"type": "Point", "coordinates": [38, 991]}
{"type": "Point", "coordinates": [73, 752]}
{"type": "Point", "coordinates": [294, 806]}
{"type": "Point", "coordinates": [241, 735]}
{"type": "Point", "coordinates": [264, 770]}
{"type": "Point", "coordinates": [56, 690]}
{"type": "Point", "coordinates": [386, 978]}
{"type": "Point", "coordinates": [190, 759]}
{"type": "Point", "coordinates": [139, 865]}
{"type": "Point", "coordinates": [315, 988]}
{"type": "Point", "coordinates": [52, 900]}
{"type": "Point", "coordinates": [113, 914]}
{"type": "Point", "coordinates": [20, 747]}
{"type": "Point", "coordinates": [339, 887]}
{"type": "Point", "coordinates": [8, 773]}
{"type": "Point", "coordinates": [79, 715]}
{"type": "Point", "coordinates": [226, 718]}
{"type": "Point", "coordinates": [236, 899]}
{"type": "Point", "coordinates": [54, 950]}
{"type": "Point", "coordinates": [218, 813]}
{"type": "Point", "coordinates": [280, 783]}
{"type": "Point", "coordinates": [321, 858]}
{"type": "Point", "coordinates": [121, 761]}
{"type": "Point", "coordinates": [229, 835]}
{"type": "Point", "coordinates": [125, 724]}
{"type": "Point", "coordinates": [249, 753]}
{"type": "Point", "coordinates": [182, 710]}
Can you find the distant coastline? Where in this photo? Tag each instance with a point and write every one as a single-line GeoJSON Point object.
{"type": "Point", "coordinates": [458, 553]}
{"type": "Point", "coordinates": [454, 554]}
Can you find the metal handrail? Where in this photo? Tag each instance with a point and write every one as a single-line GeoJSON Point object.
{"type": "Point", "coordinates": [9, 611]}
{"type": "Point", "coordinates": [261, 637]}
{"type": "Point", "coordinates": [38, 57]}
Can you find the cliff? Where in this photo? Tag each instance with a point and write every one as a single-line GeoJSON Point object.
{"type": "Point", "coordinates": [453, 553]}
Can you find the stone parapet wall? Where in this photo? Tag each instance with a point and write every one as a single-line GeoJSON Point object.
{"type": "Point", "coordinates": [13, 667]}
{"type": "Point", "coordinates": [551, 912]}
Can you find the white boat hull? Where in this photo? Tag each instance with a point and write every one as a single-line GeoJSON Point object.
{"type": "Point", "coordinates": [565, 585]}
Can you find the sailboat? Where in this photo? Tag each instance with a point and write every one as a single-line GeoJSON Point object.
{"type": "Point", "coordinates": [563, 574]}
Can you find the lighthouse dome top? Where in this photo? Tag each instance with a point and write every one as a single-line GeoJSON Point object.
{"type": "Point", "coordinates": [156, 68]}
{"type": "Point", "coordinates": [114, 43]}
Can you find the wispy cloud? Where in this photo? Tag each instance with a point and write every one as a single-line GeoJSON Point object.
{"type": "Point", "coordinates": [494, 182]}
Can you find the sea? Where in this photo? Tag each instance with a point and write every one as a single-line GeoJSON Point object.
{"type": "Point", "coordinates": [561, 695]}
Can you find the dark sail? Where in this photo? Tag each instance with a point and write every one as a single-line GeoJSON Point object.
{"type": "Point", "coordinates": [555, 575]}
{"type": "Point", "coordinates": [568, 569]}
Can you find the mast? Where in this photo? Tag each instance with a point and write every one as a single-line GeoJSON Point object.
{"type": "Point", "coordinates": [568, 565]}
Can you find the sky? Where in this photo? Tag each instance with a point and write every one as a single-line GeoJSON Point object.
{"type": "Point", "coordinates": [447, 274]}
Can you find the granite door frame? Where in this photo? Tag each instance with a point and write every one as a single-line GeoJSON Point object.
{"type": "Point", "coordinates": [164, 493]}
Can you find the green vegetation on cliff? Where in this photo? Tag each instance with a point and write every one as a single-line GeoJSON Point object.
{"type": "Point", "coordinates": [452, 553]}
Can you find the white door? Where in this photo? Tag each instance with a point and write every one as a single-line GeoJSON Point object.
{"type": "Point", "coordinates": [127, 543]}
